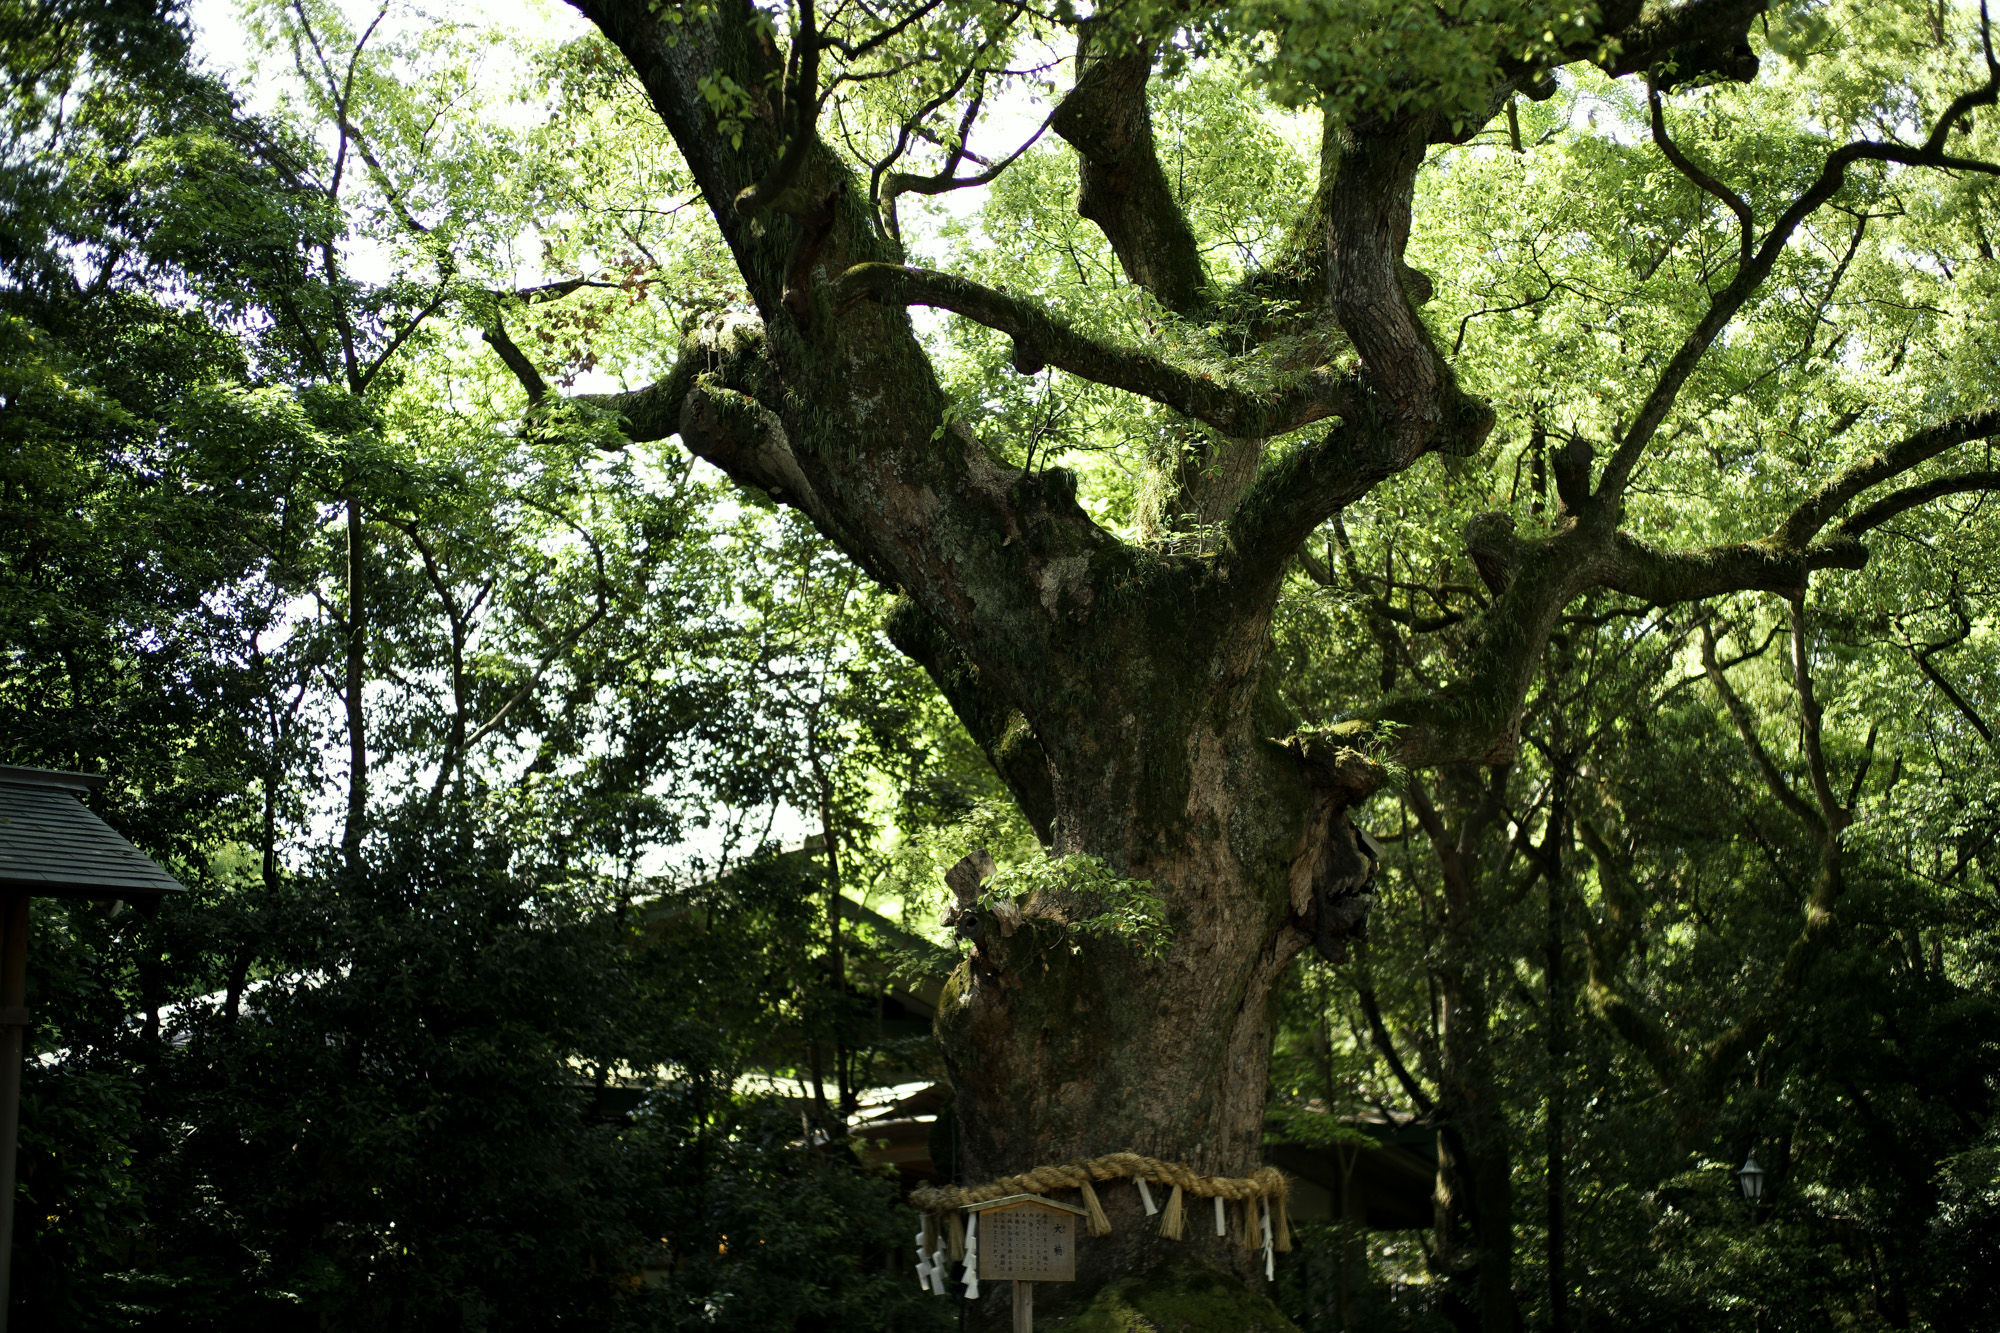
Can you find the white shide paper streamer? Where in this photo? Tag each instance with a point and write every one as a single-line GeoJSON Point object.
{"type": "Point", "coordinates": [972, 1257]}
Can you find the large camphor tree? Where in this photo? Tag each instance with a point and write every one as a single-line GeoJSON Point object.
{"type": "Point", "coordinates": [1122, 684]}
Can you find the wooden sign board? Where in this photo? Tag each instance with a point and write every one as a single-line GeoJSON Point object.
{"type": "Point", "coordinates": [1027, 1239]}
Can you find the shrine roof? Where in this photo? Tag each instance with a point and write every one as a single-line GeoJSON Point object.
{"type": "Point", "coordinates": [52, 845]}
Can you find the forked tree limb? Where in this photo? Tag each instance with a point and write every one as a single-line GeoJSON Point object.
{"type": "Point", "coordinates": [1909, 497]}
{"type": "Point", "coordinates": [1812, 516]}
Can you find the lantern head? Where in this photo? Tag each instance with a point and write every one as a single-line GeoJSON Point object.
{"type": "Point", "coordinates": [1751, 1177]}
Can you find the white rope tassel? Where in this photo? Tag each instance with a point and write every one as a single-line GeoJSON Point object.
{"type": "Point", "coordinates": [1146, 1196]}
{"type": "Point", "coordinates": [1221, 1222]}
{"type": "Point", "coordinates": [972, 1257]}
{"type": "Point", "coordinates": [1270, 1261]}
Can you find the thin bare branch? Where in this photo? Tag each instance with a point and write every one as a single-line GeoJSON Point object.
{"type": "Point", "coordinates": [1746, 222]}
{"type": "Point", "coordinates": [1746, 727]}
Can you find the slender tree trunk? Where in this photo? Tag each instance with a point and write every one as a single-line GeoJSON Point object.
{"type": "Point", "coordinates": [836, 957]}
{"type": "Point", "coordinates": [1475, 1165]}
{"type": "Point", "coordinates": [1556, 1004]}
{"type": "Point", "coordinates": [356, 678]}
{"type": "Point", "coordinates": [1475, 1198]}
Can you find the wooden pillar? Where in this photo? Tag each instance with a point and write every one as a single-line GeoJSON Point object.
{"type": "Point", "coordinates": [1024, 1307]}
{"type": "Point", "coordinates": [13, 1031]}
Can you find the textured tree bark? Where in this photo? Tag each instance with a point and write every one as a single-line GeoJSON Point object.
{"type": "Point", "coordinates": [1060, 1053]}
{"type": "Point", "coordinates": [1122, 188]}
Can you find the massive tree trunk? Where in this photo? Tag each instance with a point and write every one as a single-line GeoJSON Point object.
{"type": "Point", "coordinates": [1121, 692]}
{"type": "Point", "coordinates": [1058, 1053]}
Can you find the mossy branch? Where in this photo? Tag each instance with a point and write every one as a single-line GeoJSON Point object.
{"type": "Point", "coordinates": [1810, 518]}
{"type": "Point", "coordinates": [1040, 339]}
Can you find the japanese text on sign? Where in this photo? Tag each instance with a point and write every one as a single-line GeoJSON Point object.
{"type": "Point", "coordinates": [1027, 1244]}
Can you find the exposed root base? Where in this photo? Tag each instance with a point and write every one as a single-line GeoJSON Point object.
{"type": "Point", "coordinates": [1178, 1298]}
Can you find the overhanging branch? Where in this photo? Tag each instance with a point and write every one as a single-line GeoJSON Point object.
{"type": "Point", "coordinates": [1121, 186]}
{"type": "Point", "coordinates": [1757, 266]}
{"type": "Point", "coordinates": [1909, 497]}
{"type": "Point", "coordinates": [1811, 517]}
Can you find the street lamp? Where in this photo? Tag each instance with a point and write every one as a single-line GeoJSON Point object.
{"type": "Point", "coordinates": [1751, 1177]}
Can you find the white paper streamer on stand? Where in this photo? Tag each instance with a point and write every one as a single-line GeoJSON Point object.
{"type": "Point", "coordinates": [1270, 1260]}
{"type": "Point", "coordinates": [1221, 1223]}
{"type": "Point", "coordinates": [924, 1270]}
{"type": "Point", "coordinates": [972, 1257]}
{"type": "Point", "coordinates": [1146, 1196]}
{"type": "Point", "coordinates": [941, 1270]}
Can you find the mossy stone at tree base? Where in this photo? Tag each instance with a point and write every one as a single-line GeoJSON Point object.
{"type": "Point", "coordinates": [1178, 1298]}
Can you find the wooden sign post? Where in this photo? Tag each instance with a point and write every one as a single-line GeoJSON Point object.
{"type": "Point", "coordinates": [1025, 1239]}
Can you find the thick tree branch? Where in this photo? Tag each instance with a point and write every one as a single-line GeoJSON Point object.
{"type": "Point", "coordinates": [1665, 578]}
{"type": "Point", "coordinates": [801, 101]}
{"type": "Point", "coordinates": [1909, 497]}
{"type": "Point", "coordinates": [553, 291]}
{"type": "Point", "coordinates": [1040, 340]}
{"type": "Point", "coordinates": [1473, 718]}
{"type": "Point", "coordinates": [1812, 516]}
{"type": "Point", "coordinates": [1123, 190]}
{"type": "Point", "coordinates": [1700, 37]}
{"type": "Point", "coordinates": [652, 412]}
{"type": "Point", "coordinates": [1412, 404]}
{"type": "Point", "coordinates": [516, 360]}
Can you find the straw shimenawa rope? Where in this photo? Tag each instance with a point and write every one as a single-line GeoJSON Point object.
{"type": "Point", "coordinates": [1266, 1183]}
